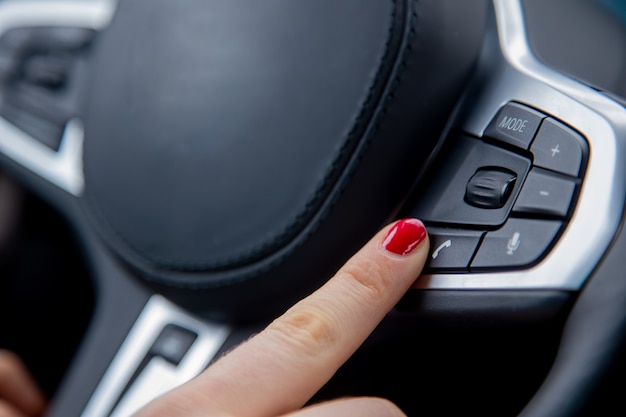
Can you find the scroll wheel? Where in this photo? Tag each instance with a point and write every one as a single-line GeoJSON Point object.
{"type": "Point", "coordinates": [490, 188]}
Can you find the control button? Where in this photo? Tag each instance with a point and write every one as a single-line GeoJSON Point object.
{"type": "Point", "coordinates": [558, 148]}
{"type": "Point", "coordinates": [443, 200]}
{"type": "Point", "coordinates": [46, 70]}
{"type": "Point", "coordinates": [451, 249]}
{"type": "Point", "coordinates": [519, 243]}
{"type": "Point", "coordinates": [490, 188]}
{"type": "Point", "coordinates": [173, 343]}
{"type": "Point", "coordinates": [515, 124]}
{"type": "Point", "coordinates": [545, 193]}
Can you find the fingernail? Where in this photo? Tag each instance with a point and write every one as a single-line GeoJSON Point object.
{"type": "Point", "coordinates": [405, 236]}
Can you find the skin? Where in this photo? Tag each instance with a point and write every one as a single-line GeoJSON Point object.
{"type": "Point", "coordinates": [20, 395]}
{"type": "Point", "coordinates": [277, 371]}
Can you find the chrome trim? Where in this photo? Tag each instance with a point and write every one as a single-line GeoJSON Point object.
{"type": "Point", "coordinates": [519, 76]}
{"type": "Point", "coordinates": [64, 167]}
{"type": "Point", "coordinates": [157, 313]}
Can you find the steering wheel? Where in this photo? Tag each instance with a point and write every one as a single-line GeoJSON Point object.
{"type": "Point", "coordinates": [217, 160]}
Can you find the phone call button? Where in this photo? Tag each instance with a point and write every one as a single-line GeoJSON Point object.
{"type": "Point", "coordinates": [451, 249]}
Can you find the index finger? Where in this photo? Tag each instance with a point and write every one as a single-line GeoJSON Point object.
{"type": "Point", "coordinates": [17, 386]}
{"type": "Point", "coordinates": [281, 368]}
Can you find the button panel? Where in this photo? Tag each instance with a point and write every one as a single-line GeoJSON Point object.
{"type": "Point", "coordinates": [475, 225]}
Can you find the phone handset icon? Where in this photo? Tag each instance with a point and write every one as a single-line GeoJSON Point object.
{"type": "Point", "coordinates": [441, 247]}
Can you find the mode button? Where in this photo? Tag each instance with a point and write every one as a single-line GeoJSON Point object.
{"type": "Point", "coordinates": [515, 124]}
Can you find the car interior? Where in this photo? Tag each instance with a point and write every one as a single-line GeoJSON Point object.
{"type": "Point", "coordinates": [176, 174]}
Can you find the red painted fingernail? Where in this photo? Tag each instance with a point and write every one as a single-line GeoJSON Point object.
{"type": "Point", "coordinates": [405, 236]}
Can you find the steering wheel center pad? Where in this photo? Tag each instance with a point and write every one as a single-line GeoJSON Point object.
{"type": "Point", "coordinates": [238, 142]}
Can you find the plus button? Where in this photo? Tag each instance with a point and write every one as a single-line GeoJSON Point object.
{"type": "Point", "coordinates": [558, 148]}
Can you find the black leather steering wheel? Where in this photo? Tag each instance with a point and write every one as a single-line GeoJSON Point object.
{"type": "Point", "coordinates": [218, 159]}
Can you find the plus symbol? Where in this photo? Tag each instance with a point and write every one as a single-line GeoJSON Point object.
{"type": "Point", "coordinates": [555, 150]}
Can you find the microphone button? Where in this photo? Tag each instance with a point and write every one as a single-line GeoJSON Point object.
{"type": "Point", "coordinates": [519, 243]}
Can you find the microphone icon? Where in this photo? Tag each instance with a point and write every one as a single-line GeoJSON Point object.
{"type": "Point", "coordinates": [513, 244]}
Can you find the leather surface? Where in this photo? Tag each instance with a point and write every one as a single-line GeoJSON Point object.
{"type": "Point", "coordinates": [242, 141]}
{"type": "Point", "coordinates": [230, 119]}
{"type": "Point", "coordinates": [588, 374]}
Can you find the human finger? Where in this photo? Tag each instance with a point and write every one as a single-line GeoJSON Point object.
{"type": "Point", "coordinates": [360, 406]}
{"type": "Point", "coordinates": [18, 387]}
{"type": "Point", "coordinates": [8, 410]}
{"type": "Point", "coordinates": [281, 368]}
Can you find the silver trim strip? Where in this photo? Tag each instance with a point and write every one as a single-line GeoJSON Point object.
{"type": "Point", "coordinates": [64, 167]}
{"type": "Point", "coordinates": [602, 121]}
{"type": "Point", "coordinates": [157, 313]}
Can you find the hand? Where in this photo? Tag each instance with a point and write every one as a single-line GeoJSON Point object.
{"type": "Point", "coordinates": [20, 396]}
{"type": "Point", "coordinates": [277, 371]}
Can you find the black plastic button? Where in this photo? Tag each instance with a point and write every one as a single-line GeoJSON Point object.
{"type": "Point", "coordinates": [444, 201]}
{"type": "Point", "coordinates": [545, 193]}
{"type": "Point", "coordinates": [515, 124]}
{"type": "Point", "coordinates": [558, 148]}
{"type": "Point", "coordinates": [46, 70]}
{"type": "Point", "coordinates": [490, 188]}
{"type": "Point", "coordinates": [173, 343]}
{"type": "Point", "coordinates": [520, 242]}
{"type": "Point", "coordinates": [451, 249]}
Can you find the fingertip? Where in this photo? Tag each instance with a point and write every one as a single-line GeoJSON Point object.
{"type": "Point", "coordinates": [405, 236]}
